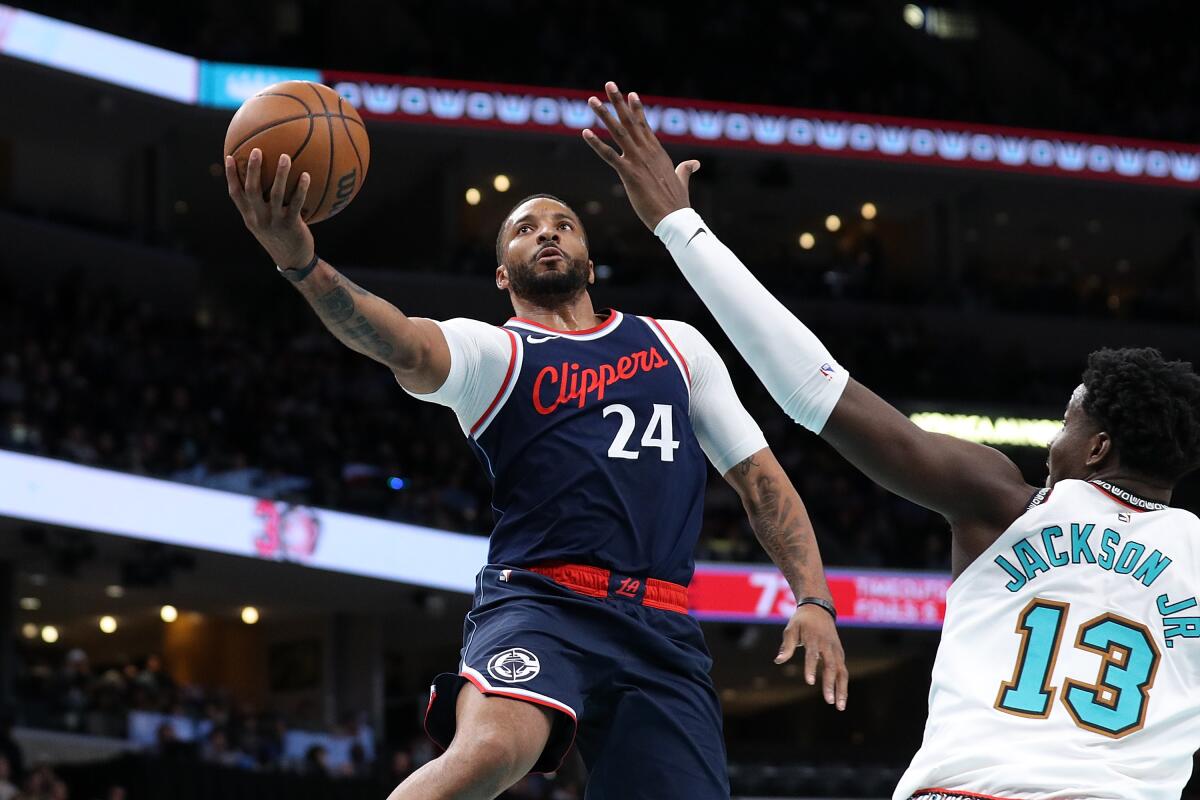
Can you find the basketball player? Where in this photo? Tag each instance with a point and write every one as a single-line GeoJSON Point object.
{"type": "Point", "coordinates": [593, 429]}
{"type": "Point", "coordinates": [1070, 659]}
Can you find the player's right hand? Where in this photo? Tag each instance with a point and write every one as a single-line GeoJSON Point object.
{"type": "Point", "coordinates": [277, 226]}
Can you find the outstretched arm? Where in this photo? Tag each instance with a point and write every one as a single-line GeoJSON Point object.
{"type": "Point", "coordinates": [781, 524]}
{"type": "Point", "coordinates": [975, 487]}
{"type": "Point", "coordinates": [414, 349]}
{"type": "Point", "coordinates": [736, 447]}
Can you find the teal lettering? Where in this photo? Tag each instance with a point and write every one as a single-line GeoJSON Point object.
{"type": "Point", "coordinates": [1018, 578]}
{"type": "Point", "coordinates": [1080, 545]}
{"type": "Point", "coordinates": [1056, 558]}
{"type": "Point", "coordinates": [1130, 555]}
{"type": "Point", "coordinates": [1165, 606]}
{"type": "Point", "coordinates": [1108, 548]}
{"type": "Point", "coordinates": [1031, 560]}
{"type": "Point", "coordinates": [1187, 627]}
{"type": "Point", "coordinates": [1152, 567]}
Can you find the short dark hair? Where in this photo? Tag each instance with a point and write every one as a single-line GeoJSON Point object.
{"type": "Point", "coordinates": [1149, 406]}
{"type": "Point", "coordinates": [518, 204]}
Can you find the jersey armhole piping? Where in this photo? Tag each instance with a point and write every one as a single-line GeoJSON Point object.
{"type": "Point", "coordinates": [662, 334]}
{"type": "Point", "coordinates": [506, 386]}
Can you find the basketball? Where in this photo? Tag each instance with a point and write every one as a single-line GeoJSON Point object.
{"type": "Point", "coordinates": [318, 129]}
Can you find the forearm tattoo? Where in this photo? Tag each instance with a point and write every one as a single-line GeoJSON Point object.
{"type": "Point", "coordinates": [777, 517]}
{"type": "Point", "coordinates": [340, 313]}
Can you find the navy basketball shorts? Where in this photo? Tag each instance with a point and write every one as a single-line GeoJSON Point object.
{"type": "Point", "coordinates": [628, 683]}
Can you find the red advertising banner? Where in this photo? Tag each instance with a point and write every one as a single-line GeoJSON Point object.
{"type": "Point", "coordinates": [777, 129]}
{"type": "Point", "coordinates": [864, 598]}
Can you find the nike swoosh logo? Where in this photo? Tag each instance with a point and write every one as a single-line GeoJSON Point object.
{"type": "Point", "coordinates": [694, 235]}
{"type": "Point", "coordinates": [540, 339]}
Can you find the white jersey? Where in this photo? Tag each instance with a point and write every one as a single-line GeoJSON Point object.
{"type": "Point", "coordinates": [1069, 665]}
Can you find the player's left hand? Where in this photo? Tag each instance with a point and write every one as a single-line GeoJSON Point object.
{"type": "Point", "coordinates": [655, 186]}
{"type": "Point", "coordinates": [812, 628]}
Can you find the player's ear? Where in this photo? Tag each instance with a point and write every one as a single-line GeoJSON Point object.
{"type": "Point", "coordinates": [591, 272]}
{"type": "Point", "coordinates": [1100, 447]}
{"type": "Point", "coordinates": [502, 278]}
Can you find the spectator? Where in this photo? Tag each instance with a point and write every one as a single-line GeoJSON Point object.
{"type": "Point", "coordinates": [217, 750]}
{"type": "Point", "coordinates": [167, 742]}
{"type": "Point", "coordinates": [154, 679]}
{"type": "Point", "coordinates": [41, 784]}
{"type": "Point", "coordinates": [359, 766]}
{"type": "Point", "coordinates": [316, 761]}
{"type": "Point", "coordinates": [8, 789]}
{"type": "Point", "coordinates": [9, 749]}
{"type": "Point", "coordinates": [75, 692]}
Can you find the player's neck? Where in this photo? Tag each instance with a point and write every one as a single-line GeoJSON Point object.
{"type": "Point", "coordinates": [1142, 487]}
{"type": "Point", "coordinates": [575, 314]}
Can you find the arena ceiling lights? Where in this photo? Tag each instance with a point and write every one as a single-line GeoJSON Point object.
{"type": "Point", "coordinates": [395, 98]}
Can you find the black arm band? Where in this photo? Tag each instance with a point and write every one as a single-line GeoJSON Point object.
{"type": "Point", "coordinates": [297, 275]}
{"type": "Point", "coordinates": [818, 601]}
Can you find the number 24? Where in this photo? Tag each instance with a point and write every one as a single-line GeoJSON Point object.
{"type": "Point", "coordinates": [659, 433]}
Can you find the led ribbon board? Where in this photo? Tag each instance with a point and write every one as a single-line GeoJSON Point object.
{"type": "Point", "coordinates": [104, 501]}
{"type": "Point", "coordinates": [471, 104]}
{"type": "Point", "coordinates": [775, 129]}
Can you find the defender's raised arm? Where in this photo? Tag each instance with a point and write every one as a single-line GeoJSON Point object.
{"type": "Point", "coordinates": [977, 488]}
{"type": "Point", "coordinates": [414, 349]}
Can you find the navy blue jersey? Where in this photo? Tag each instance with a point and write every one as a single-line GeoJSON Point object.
{"type": "Point", "coordinates": [591, 452]}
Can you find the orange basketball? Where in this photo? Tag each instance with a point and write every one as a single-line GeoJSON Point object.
{"type": "Point", "coordinates": [321, 132]}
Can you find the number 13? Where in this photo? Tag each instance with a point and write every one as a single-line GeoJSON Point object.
{"type": "Point", "coordinates": [1115, 705]}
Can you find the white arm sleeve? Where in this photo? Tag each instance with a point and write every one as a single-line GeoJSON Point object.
{"type": "Point", "coordinates": [726, 431]}
{"type": "Point", "coordinates": [479, 359]}
{"type": "Point", "coordinates": [790, 361]}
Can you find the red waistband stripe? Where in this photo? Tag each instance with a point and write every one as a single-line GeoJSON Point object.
{"type": "Point", "coordinates": [595, 582]}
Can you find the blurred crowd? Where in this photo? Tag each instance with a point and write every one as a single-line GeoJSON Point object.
{"type": "Point", "coordinates": [231, 402]}
{"type": "Point", "coordinates": [1129, 66]}
{"type": "Point", "coordinates": [193, 725]}
{"type": "Point", "coordinates": [1132, 62]}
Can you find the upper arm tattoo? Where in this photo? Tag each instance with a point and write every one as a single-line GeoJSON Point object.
{"type": "Point", "coordinates": [742, 468]}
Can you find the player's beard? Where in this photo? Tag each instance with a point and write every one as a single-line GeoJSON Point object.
{"type": "Point", "coordinates": [549, 288]}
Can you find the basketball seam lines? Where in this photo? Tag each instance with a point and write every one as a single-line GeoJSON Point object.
{"type": "Point", "coordinates": [329, 169]}
{"type": "Point", "coordinates": [307, 138]}
{"type": "Point", "coordinates": [304, 144]}
{"type": "Point", "coordinates": [342, 114]}
{"type": "Point", "coordinates": [285, 94]}
{"type": "Point", "coordinates": [264, 128]}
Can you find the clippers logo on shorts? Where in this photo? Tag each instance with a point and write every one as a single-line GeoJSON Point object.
{"type": "Point", "coordinates": [515, 665]}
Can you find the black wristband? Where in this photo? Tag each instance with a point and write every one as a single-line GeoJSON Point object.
{"type": "Point", "coordinates": [818, 601]}
{"type": "Point", "coordinates": [297, 275]}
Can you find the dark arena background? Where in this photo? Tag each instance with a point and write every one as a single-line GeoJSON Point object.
{"type": "Point", "coordinates": [233, 553]}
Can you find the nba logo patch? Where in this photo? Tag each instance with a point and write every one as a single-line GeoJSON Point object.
{"type": "Point", "coordinates": [827, 370]}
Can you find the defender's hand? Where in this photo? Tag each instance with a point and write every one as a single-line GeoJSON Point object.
{"type": "Point", "coordinates": [812, 628]}
{"type": "Point", "coordinates": [277, 227]}
{"type": "Point", "coordinates": [655, 186]}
